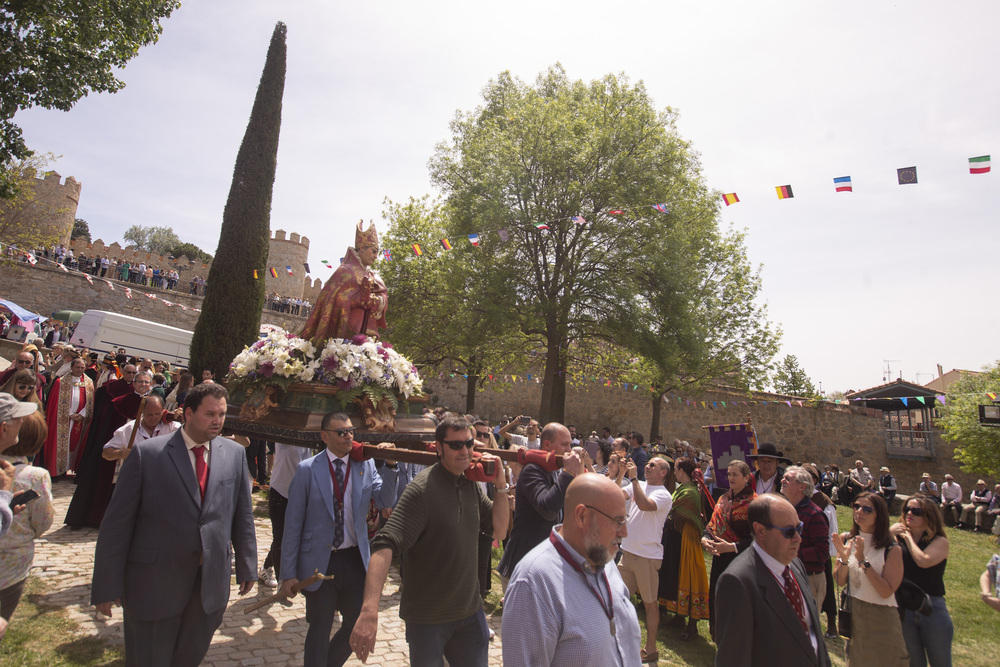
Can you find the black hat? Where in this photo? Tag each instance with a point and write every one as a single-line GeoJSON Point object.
{"type": "Point", "coordinates": [769, 450]}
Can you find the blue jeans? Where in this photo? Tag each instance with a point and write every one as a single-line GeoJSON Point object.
{"type": "Point", "coordinates": [464, 642]}
{"type": "Point", "coordinates": [928, 638]}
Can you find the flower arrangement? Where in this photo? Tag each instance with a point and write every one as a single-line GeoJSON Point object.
{"type": "Point", "coordinates": [356, 366]}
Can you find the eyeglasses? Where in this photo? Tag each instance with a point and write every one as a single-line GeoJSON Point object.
{"type": "Point", "coordinates": [867, 509]}
{"type": "Point", "coordinates": [915, 511]}
{"type": "Point", "coordinates": [458, 445]}
{"type": "Point", "coordinates": [483, 434]}
{"type": "Point", "coordinates": [620, 522]}
{"type": "Point", "coordinates": [22, 387]}
{"type": "Point", "coordinates": [788, 533]}
{"type": "Point", "coordinates": [341, 432]}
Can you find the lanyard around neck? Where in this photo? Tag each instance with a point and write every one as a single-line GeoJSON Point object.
{"type": "Point", "coordinates": [609, 609]}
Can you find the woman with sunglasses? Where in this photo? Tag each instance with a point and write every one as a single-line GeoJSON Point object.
{"type": "Point", "coordinates": [683, 581]}
{"type": "Point", "coordinates": [872, 562]}
{"type": "Point", "coordinates": [920, 533]}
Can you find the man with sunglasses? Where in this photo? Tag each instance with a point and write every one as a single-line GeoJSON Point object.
{"type": "Point", "coordinates": [325, 530]}
{"type": "Point", "coordinates": [539, 501]}
{"type": "Point", "coordinates": [814, 550]}
{"type": "Point", "coordinates": [767, 614]}
{"type": "Point", "coordinates": [435, 530]}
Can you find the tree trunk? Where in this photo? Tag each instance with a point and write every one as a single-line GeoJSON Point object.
{"type": "Point", "coordinates": [553, 403]}
{"type": "Point", "coordinates": [654, 424]}
{"type": "Point", "coordinates": [470, 393]}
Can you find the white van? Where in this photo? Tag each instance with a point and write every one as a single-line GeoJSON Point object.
{"type": "Point", "coordinates": [101, 331]}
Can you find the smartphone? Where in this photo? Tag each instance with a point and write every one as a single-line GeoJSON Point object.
{"type": "Point", "coordinates": [525, 421]}
{"type": "Point", "coordinates": [24, 498]}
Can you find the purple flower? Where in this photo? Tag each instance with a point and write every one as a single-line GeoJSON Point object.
{"type": "Point", "coordinates": [360, 339]}
{"type": "Point", "coordinates": [345, 384]}
{"type": "Point", "coordinates": [267, 369]}
{"type": "Point", "coordinates": [387, 346]}
{"type": "Point", "coordinates": [331, 363]}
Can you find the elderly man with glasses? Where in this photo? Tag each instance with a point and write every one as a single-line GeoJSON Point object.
{"type": "Point", "coordinates": [435, 530]}
{"type": "Point", "coordinates": [767, 614]}
{"type": "Point", "coordinates": [814, 550]}
{"type": "Point", "coordinates": [325, 530]}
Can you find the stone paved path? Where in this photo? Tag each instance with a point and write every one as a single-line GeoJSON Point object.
{"type": "Point", "coordinates": [273, 635]}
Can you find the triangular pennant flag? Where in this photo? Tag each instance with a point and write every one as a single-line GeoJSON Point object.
{"type": "Point", "coordinates": [151, 296]}
{"type": "Point", "coordinates": [63, 267]}
{"type": "Point", "coordinates": [89, 279]}
{"type": "Point", "coordinates": [474, 239]}
{"type": "Point", "coordinates": [942, 399]}
{"type": "Point", "coordinates": [789, 403]}
{"type": "Point", "coordinates": [110, 284]}
{"type": "Point", "coordinates": [255, 275]}
{"type": "Point", "coordinates": [921, 399]}
{"type": "Point", "coordinates": [514, 377]}
{"type": "Point", "coordinates": [905, 402]}
{"type": "Point", "coordinates": [800, 403]}
{"type": "Point", "coordinates": [306, 265]}
{"type": "Point", "coordinates": [128, 292]}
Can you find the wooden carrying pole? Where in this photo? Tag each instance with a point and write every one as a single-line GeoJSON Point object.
{"type": "Point", "coordinates": [280, 595]}
{"type": "Point", "coordinates": [135, 426]}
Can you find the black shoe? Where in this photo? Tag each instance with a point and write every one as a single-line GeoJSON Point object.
{"type": "Point", "coordinates": [831, 634]}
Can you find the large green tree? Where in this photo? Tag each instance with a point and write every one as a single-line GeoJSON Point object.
{"type": "Point", "coordinates": [25, 218]}
{"type": "Point", "coordinates": [444, 318]}
{"type": "Point", "coordinates": [791, 379]}
{"type": "Point", "coordinates": [977, 446]}
{"type": "Point", "coordinates": [57, 51]}
{"type": "Point", "coordinates": [559, 149]}
{"type": "Point", "coordinates": [230, 317]}
{"type": "Point", "coordinates": [157, 240]}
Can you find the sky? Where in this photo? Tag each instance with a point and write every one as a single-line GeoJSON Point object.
{"type": "Point", "coordinates": [884, 282]}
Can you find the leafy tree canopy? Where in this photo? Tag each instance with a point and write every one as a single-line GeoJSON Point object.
{"type": "Point", "coordinates": [791, 380]}
{"type": "Point", "coordinates": [558, 149]}
{"type": "Point", "coordinates": [57, 51]}
{"type": "Point", "coordinates": [24, 217]}
{"type": "Point", "coordinates": [81, 230]}
{"type": "Point", "coordinates": [977, 446]}
{"type": "Point", "coordinates": [157, 240]}
{"type": "Point", "coordinates": [191, 251]}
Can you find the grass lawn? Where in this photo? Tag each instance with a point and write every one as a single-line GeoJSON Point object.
{"type": "Point", "coordinates": [975, 623]}
{"type": "Point", "coordinates": [41, 636]}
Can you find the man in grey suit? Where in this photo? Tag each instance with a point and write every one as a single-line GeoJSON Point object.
{"type": "Point", "coordinates": [326, 530]}
{"type": "Point", "coordinates": [163, 552]}
{"type": "Point", "coordinates": [766, 613]}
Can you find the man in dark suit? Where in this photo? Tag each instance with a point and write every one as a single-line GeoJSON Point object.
{"type": "Point", "coordinates": [539, 501]}
{"type": "Point", "coordinates": [163, 551]}
{"type": "Point", "coordinates": [766, 613]}
{"type": "Point", "coordinates": [326, 530]}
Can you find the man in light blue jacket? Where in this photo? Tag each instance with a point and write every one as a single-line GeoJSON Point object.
{"type": "Point", "coordinates": [326, 530]}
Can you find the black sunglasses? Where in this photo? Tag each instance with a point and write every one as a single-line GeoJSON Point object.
{"type": "Point", "coordinates": [915, 511]}
{"type": "Point", "coordinates": [867, 509]}
{"type": "Point", "coordinates": [457, 445]}
{"type": "Point", "coordinates": [22, 387]}
{"type": "Point", "coordinates": [484, 434]}
{"type": "Point", "coordinates": [341, 432]}
{"type": "Point", "coordinates": [790, 532]}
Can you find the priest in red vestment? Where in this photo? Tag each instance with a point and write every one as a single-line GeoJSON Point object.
{"type": "Point", "coordinates": [69, 411]}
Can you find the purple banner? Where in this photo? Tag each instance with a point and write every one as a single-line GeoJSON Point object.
{"type": "Point", "coordinates": [729, 443]}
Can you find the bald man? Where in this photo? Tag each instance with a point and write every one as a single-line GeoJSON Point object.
{"type": "Point", "coordinates": [538, 502]}
{"type": "Point", "coordinates": [566, 603]}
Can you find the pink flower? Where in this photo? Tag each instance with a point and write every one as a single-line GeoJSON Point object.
{"type": "Point", "coordinates": [360, 339]}
{"type": "Point", "coordinates": [345, 384]}
{"type": "Point", "coordinates": [267, 369]}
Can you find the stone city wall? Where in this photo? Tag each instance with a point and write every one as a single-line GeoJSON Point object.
{"type": "Point", "coordinates": [822, 434]}
{"type": "Point", "coordinates": [45, 289]}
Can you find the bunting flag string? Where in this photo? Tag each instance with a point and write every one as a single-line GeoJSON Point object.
{"type": "Point", "coordinates": [904, 175]}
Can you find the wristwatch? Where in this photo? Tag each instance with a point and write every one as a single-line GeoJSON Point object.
{"type": "Point", "coordinates": [866, 565]}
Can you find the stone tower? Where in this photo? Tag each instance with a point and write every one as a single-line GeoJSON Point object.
{"type": "Point", "coordinates": [62, 200]}
{"type": "Point", "coordinates": [292, 251]}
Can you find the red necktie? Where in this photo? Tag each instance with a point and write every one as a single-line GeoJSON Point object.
{"type": "Point", "coordinates": [200, 468]}
{"type": "Point", "coordinates": [795, 597]}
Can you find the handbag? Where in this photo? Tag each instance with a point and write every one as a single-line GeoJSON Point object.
{"type": "Point", "coordinates": [911, 596]}
{"type": "Point", "coordinates": [844, 612]}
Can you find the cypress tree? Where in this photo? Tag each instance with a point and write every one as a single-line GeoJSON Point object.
{"type": "Point", "coordinates": [230, 316]}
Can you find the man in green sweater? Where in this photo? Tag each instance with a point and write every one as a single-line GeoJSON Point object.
{"type": "Point", "coordinates": [435, 528]}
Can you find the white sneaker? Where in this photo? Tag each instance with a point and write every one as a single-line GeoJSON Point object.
{"type": "Point", "coordinates": [266, 577]}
